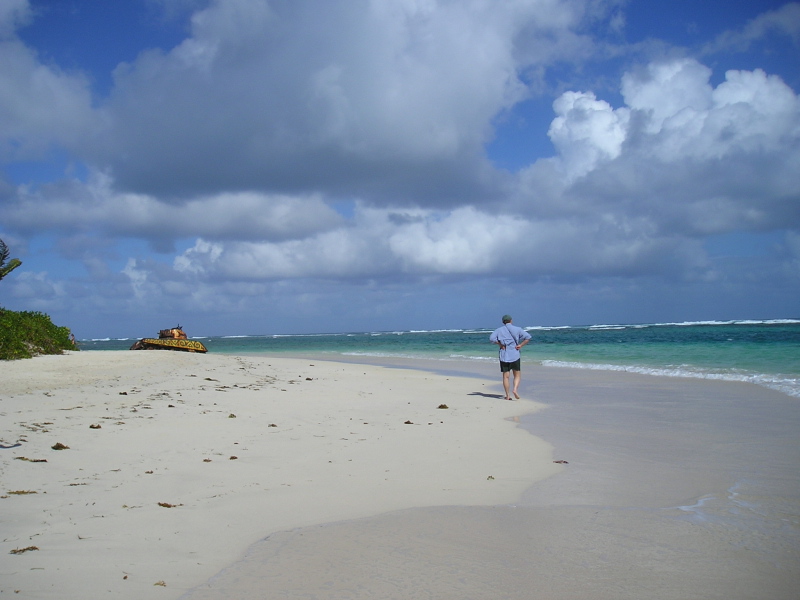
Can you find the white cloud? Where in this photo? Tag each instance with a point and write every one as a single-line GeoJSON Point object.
{"type": "Point", "coordinates": [754, 112]}
{"type": "Point", "coordinates": [586, 131]}
{"type": "Point", "coordinates": [137, 277]}
{"type": "Point", "coordinates": [782, 21]}
{"type": "Point", "coordinates": [13, 13]}
{"type": "Point", "coordinates": [96, 205]}
{"type": "Point", "coordinates": [749, 112]}
{"type": "Point", "coordinates": [674, 89]}
{"type": "Point", "coordinates": [460, 242]}
{"type": "Point", "coordinates": [40, 106]}
{"type": "Point", "coordinates": [387, 243]}
{"type": "Point", "coordinates": [198, 258]}
{"type": "Point", "coordinates": [686, 157]}
{"type": "Point", "coordinates": [390, 96]}
{"type": "Point", "coordinates": [345, 252]}
{"type": "Point", "coordinates": [39, 288]}
{"type": "Point", "coordinates": [631, 189]}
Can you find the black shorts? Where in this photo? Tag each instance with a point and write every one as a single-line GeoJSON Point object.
{"type": "Point", "coordinates": [512, 366]}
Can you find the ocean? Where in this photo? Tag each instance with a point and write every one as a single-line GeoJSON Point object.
{"type": "Point", "coordinates": [765, 353]}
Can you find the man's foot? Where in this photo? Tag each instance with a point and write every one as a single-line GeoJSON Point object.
{"type": "Point", "coordinates": [516, 395]}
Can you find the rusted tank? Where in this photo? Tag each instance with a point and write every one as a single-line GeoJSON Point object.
{"type": "Point", "coordinates": [170, 339]}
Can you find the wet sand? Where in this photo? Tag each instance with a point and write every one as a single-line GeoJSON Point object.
{"type": "Point", "coordinates": [674, 489]}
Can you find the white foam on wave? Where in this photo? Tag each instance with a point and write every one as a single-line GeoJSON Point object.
{"type": "Point", "coordinates": [471, 357]}
{"type": "Point", "coordinates": [417, 355]}
{"type": "Point", "coordinates": [733, 322]}
{"type": "Point", "coordinates": [614, 326]}
{"type": "Point", "coordinates": [769, 322]}
{"type": "Point", "coordinates": [307, 335]}
{"type": "Point", "coordinates": [380, 354]}
{"type": "Point", "coordinates": [482, 331]}
{"type": "Point", "coordinates": [787, 385]}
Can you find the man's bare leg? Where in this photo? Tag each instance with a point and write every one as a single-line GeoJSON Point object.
{"type": "Point", "coordinates": [506, 384]}
{"type": "Point", "coordinates": [517, 379]}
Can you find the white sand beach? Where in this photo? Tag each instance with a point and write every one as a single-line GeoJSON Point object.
{"type": "Point", "coordinates": [177, 463]}
{"type": "Point", "coordinates": [216, 477]}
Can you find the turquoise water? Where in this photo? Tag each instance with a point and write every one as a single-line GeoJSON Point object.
{"type": "Point", "coordinates": [762, 352]}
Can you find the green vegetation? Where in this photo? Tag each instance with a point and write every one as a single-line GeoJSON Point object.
{"type": "Point", "coordinates": [26, 334]}
{"type": "Point", "coordinates": [6, 266]}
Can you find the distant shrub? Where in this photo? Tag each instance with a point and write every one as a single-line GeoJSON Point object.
{"type": "Point", "coordinates": [27, 334]}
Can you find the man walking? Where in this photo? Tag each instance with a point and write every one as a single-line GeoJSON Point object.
{"type": "Point", "coordinates": [510, 338]}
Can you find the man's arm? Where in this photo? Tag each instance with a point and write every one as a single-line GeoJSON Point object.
{"type": "Point", "coordinates": [525, 341]}
{"type": "Point", "coordinates": [495, 339]}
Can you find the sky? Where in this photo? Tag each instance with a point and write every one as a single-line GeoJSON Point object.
{"type": "Point", "coordinates": [256, 167]}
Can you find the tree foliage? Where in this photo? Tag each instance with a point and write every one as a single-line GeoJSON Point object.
{"type": "Point", "coordinates": [6, 265]}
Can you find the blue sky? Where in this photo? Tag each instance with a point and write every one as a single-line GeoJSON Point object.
{"type": "Point", "coordinates": [267, 166]}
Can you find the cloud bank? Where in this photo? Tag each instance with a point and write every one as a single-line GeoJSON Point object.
{"type": "Point", "coordinates": [345, 144]}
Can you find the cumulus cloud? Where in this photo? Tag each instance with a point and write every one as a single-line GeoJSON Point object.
{"type": "Point", "coordinates": [685, 157]}
{"type": "Point", "coordinates": [40, 105]}
{"type": "Point", "coordinates": [390, 243]}
{"type": "Point", "coordinates": [586, 131]}
{"type": "Point", "coordinates": [390, 99]}
{"type": "Point", "coordinates": [749, 112]}
{"type": "Point", "coordinates": [631, 190]}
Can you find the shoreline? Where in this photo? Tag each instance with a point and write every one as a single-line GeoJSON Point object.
{"type": "Point", "coordinates": [178, 462]}
{"type": "Point", "coordinates": [754, 351]}
{"type": "Point", "coordinates": [674, 488]}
